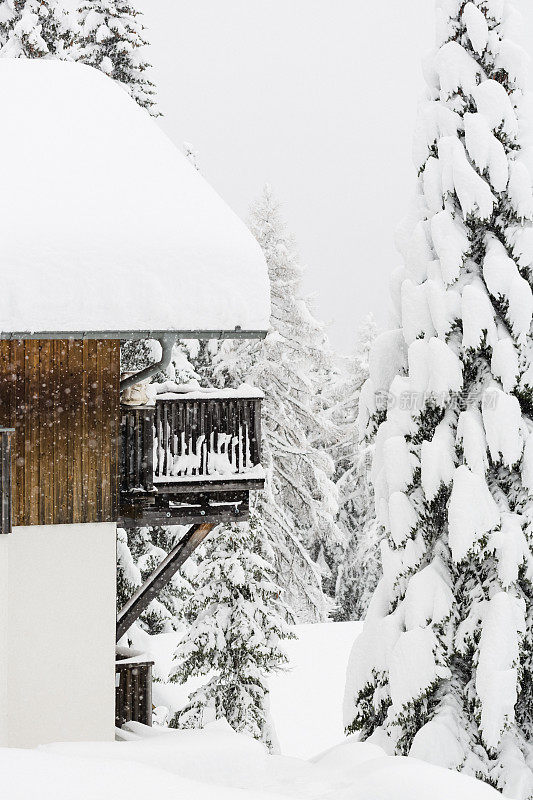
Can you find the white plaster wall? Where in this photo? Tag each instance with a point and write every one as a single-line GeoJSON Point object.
{"type": "Point", "coordinates": [60, 633]}
{"type": "Point", "coordinates": [4, 555]}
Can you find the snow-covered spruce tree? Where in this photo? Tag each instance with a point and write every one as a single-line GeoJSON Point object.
{"type": "Point", "coordinates": [111, 39]}
{"type": "Point", "coordinates": [299, 503]}
{"type": "Point", "coordinates": [356, 566]}
{"type": "Point", "coordinates": [136, 354]}
{"type": "Point", "coordinates": [195, 360]}
{"type": "Point", "coordinates": [139, 552]}
{"type": "Point", "coordinates": [149, 547]}
{"type": "Point", "coordinates": [360, 569]}
{"type": "Point", "coordinates": [237, 634]}
{"type": "Point", "coordinates": [443, 668]}
{"type": "Point", "coordinates": [7, 17]}
{"type": "Point", "coordinates": [128, 575]}
{"type": "Point", "coordinates": [35, 29]}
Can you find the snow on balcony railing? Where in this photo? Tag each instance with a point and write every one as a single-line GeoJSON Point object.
{"type": "Point", "coordinates": [214, 435]}
{"type": "Point", "coordinates": [196, 436]}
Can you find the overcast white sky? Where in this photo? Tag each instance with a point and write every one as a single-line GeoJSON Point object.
{"type": "Point", "coordinates": [317, 98]}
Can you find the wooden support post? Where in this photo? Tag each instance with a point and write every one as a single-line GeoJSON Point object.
{"type": "Point", "coordinates": [161, 576]}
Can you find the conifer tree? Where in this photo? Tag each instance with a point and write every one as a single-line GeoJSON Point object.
{"type": "Point", "coordinates": [139, 552]}
{"type": "Point", "coordinates": [354, 566]}
{"type": "Point", "coordinates": [111, 39]}
{"type": "Point", "coordinates": [7, 20]}
{"type": "Point", "coordinates": [443, 668]}
{"type": "Point", "coordinates": [196, 361]}
{"type": "Point", "coordinates": [35, 29]}
{"type": "Point", "coordinates": [136, 354]}
{"type": "Point", "coordinates": [128, 575]}
{"type": "Point", "coordinates": [299, 503]}
{"type": "Point", "coordinates": [360, 568]}
{"type": "Point", "coordinates": [149, 547]}
{"type": "Point", "coordinates": [237, 634]}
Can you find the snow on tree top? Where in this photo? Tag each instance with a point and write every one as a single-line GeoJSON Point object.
{"type": "Point", "coordinates": [104, 225]}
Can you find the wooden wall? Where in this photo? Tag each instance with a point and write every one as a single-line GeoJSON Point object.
{"type": "Point", "coordinates": [62, 398]}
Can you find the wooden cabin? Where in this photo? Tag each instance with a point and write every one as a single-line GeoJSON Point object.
{"type": "Point", "coordinates": [108, 234]}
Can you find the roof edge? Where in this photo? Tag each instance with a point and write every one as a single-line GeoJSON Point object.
{"type": "Point", "coordinates": [133, 335]}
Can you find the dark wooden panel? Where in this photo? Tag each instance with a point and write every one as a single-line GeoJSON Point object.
{"type": "Point", "coordinates": [6, 435]}
{"type": "Point", "coordinates": [62, 399]}
{"type": "Point", "coordinates": [46, 435]}
{"type": "Point", "coordinates": [133, 694]}
{"type": "Point", "coordinates": [61, 513]}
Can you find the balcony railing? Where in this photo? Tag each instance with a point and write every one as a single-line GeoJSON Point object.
{"type": "Point", "coordinates": [190, 442]}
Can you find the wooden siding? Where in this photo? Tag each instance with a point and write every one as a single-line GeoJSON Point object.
{"type": "Point", "coordinates": [133, 692]}
{"type": "Point", "coordinates": [62, 397]}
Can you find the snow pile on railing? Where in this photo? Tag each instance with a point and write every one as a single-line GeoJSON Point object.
{"type": "Point", "coordinates": [206, 433]}
{"type": "Point", "coordinates": [170, 390]}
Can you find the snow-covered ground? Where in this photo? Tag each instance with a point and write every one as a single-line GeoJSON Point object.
{"type": "Point", "coordinates": [218, 764]}
{"type": "Point", "coordinates": [306, 701]}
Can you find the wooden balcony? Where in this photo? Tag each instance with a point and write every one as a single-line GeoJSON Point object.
{"type": "Point", "coordinates": [190, 458]}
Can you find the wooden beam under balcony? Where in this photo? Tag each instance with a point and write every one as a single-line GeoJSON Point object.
{"type": "Point", "coordinates": [209, 486]}
{"type": "Point", "coordinates": [141, 515]}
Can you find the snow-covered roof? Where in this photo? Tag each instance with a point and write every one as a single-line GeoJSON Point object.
{"type": "Point", "coordinates": [104, 225]}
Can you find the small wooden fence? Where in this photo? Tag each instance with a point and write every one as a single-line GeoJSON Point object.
{"type": "Point", "coordinates": [133, 689]}
{"type": "Point", "coordinates": [5, 480]}
{"type": "Point", "coordinates": [187, 440]}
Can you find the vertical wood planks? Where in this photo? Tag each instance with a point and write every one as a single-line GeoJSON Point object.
{"type": "Point", "coordinates": [61, 512]}
{"type": "Point", "coordinates": [137, 448]}
{"type": "Point", "coordinates": [46, 438]}
{"type": "Point", "coordinates": [75, 410]}
{"type": "Point", "coordinates": [133, 694]}
{"type": "Point", "coordinates": [86, 368]}
{"type": "Point", "coordinates": [63, 399]}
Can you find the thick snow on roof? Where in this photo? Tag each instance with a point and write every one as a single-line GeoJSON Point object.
{"type": "Point", "coordinates": [104, 224]}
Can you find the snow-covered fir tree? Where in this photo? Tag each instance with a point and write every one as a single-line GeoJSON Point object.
{"type": "Point", "coordinates": [128, 574]}
{"type": "Point", "coordinates": [299, 504]}
{"type": "Point", "coordinates": [149, 547]}
{"type": "Point", "coordinates": [136, 354]}
{"type": "Point", "coordinates": [8, 17]}
{"type": "Point", "coordinates": [139, 552]}
{"type": "Point", "coordinates": [237, 635]}
{"type": "Point", "coordinates": [195, 361]}
{"type": "Point", "coordinates": [443, 668]}
{"type": "Point", "coordinates": [358, 569]}
{"type": "Point", "coordinates": [111, 38]}
{"type": "Point", "coordinates": [35, 29]}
